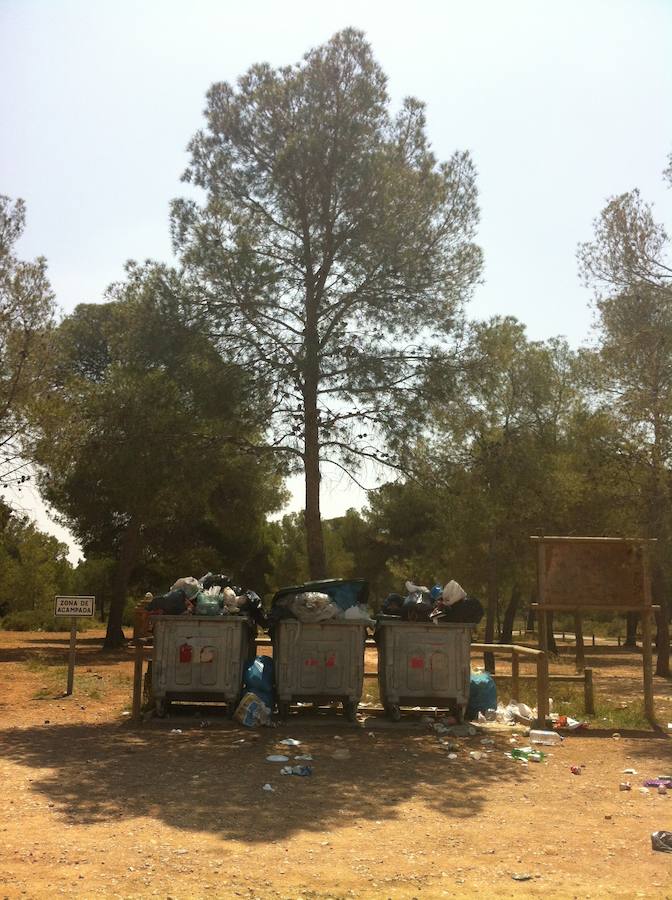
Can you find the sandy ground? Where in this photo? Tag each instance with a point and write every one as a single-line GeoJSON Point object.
{"type": "Point", "coordinates": [92, 806]}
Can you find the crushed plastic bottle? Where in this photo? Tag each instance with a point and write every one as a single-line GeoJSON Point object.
{"type": "Point", "coordinates": [527, 754]}
{"type": "Point", "coordinates": [544, 737]}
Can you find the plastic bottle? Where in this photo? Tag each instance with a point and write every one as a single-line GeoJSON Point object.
{"type": "Point", "coordinates": [544, 737]}
{"type": "Point", "coordinates": [527, 754]}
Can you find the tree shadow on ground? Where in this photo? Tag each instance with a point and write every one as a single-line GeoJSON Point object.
{"type": "Point", "coordinates": [211, 779]}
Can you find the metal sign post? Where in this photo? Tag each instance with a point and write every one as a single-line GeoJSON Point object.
{"type": "Point", "coordinates": [73, 608]}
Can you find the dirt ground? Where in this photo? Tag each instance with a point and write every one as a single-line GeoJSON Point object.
{"type": "Point", "coordinates": [92, 806]}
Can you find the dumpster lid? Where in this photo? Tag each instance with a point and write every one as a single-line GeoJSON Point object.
{"type": "Point", "coordinates": [345, 592]}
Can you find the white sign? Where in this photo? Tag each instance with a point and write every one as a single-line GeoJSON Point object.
{"type": "Point", "coordinates": [74, 606]}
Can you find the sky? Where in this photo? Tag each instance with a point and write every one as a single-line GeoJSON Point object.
{"type": "Point", "coordinates": [562, 105]}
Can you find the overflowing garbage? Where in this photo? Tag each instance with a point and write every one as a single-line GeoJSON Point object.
{"type": "Point", "coordinates": [210, 595]}
{"type": "Point", "coordinates": [322, 601]}
{"type": "Point", "coordinates": [448, 603]}
{"type": "Point", "coordinates": [258, 700]}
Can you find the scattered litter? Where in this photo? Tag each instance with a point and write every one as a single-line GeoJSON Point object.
{"type": "Point", "coordinates": [176, 731]}
{"type": "Point", "coordinates": [487, 741]}
{"type": "Point", "coordinates": [181, 851]}
{"type": "Point", "coordinates": [252, 711]}
{"type": "Point", "coordinates": [526, 754]}
{"type": "Point", "coordinates": [662, 840]}
{"type": "Point", "coordinates": [296, 770]}
{"type": "Point", "coordinates": [125, 713]}
{"type": "Point", "coordinates": [662, 789]}
{"type": "Point", "coordinates": [268, 787]}
{"type": "Point", "coordinates": [371, 734]}
{"type": "Point", "coordinates": [569, 723]}
{"type": "Point", "coordinates": [277, 757]}
{"type": "Point", "coordinates": [521, 876]}
{"type": "Point", "coordinates": [475, 754]}
{"type": "Point", "coordinates": [460, 730]}
{"type": "Point", "coordinates": [643, 790]}
{"type": "Point", "coordinates": [452, 756]}
{"type": "Point", "coordinates": [291, 742]}
{"type": "Point", "coordinates": [616, 736]}
{"type": "Point", "coordinates": [575, 770]}
{"type": "Point", "coordinates": [625, 786]}
{"type": "Point", "coordinates": [630, 772]}
{"type": "Point", "coordinates": [660, 781]}
{"type": "Point", "coordinates": [545, 737]}
{"type": "Point", "coordinates": [337, 737]}
{"type": "Point", "coordinates": [305, 756]}
{"type": "Point", "coordinates": [342, 753]}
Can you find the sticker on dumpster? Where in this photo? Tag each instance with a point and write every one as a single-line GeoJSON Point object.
{"type": "Point", "coordinates": [417, 662]}
{"type": "Point", "coordinates": [331, 661]}
{"type": "Point", "coordinates": [310, 662]}
{"type": "Point", "coordinates": [185, 653]}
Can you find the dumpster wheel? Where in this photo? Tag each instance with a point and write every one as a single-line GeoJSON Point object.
{"type": "Point", "coordinates": [350, 708]}
{"type": "Point", "coordinates": [283, 709]}
{"type": "Point", "coordinates": [161, 707]}
{"type": "Point", "coordinates": [393, 712]}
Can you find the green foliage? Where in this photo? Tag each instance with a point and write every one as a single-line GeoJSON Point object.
{"type": "Point", "coordinates": [26, 319]}
{"type": "Point", "coordinates": [33, 568]}
{"type": "Point", "coordinates": [40, 620]}
{"type": "Point", "coordinates": [142, 441]}
{"type": "Point", "coordinates": [332, 252]}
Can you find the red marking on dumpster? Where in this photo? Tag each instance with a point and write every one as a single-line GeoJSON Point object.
{"type": "Point", "coordinates": [331, 662]}
{"type": "Point", "coordinates": [310, 662]}
{"type": "Point", "coordinates": [185, 653]}
{"type": "Point", "coordinates": [417, 662]}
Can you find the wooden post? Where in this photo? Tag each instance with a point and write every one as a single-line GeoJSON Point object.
{"type": "Point", "coordinates": [515, 675]}
{"type": "Point", "coordinates": [71, 657]}
{"type": "Point", "coordinates": [542, 690]}
{"type": "Point", "coordinates": [578, 630]}
{"type": "Point", "coordinates": [137, 679]}
{"type": "Point", "coordinates": [589, 697]}
{"type": "Point", "coordinates": [647, 659]}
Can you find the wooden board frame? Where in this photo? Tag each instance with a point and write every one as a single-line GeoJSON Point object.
{"type": "Point", "coordinates": [596, 574]}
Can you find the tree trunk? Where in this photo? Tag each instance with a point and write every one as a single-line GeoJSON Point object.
{"type": "Point", "coordinates": [128, 552]}
{"type": "Point", "coordinates": [317, 564]}
{"type": "Point", "coordinates": [531, 613]}
{"type": "Point", "coordinates": [662, 622]}
{"type": "Point", "coordinates": [552, 646]}
{"type": "Point", "coordinates": [631, 621]}
{"type": "Point", "coordinates": [509, 616]}
{"type": "Point", "coordinates": [491, 613]}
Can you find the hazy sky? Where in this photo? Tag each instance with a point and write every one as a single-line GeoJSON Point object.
{"type": "Point", "coordinates": [561, 105]}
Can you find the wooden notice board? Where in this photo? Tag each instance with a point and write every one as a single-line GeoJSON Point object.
{"type": "Point", "coordinates": [596, 574]}
{"type": "Point", "coordinates": [593, 573]}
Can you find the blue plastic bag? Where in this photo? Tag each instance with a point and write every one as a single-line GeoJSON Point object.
{"type": "Point", "coordinates": [258, 678]}
{"type": "Point", "coordinates": [482, 694]}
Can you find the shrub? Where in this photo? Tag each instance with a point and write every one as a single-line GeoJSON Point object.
{"type": "Point", "coordinates": [38, 620]}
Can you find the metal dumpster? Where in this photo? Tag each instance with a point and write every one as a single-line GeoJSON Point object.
{"type": "Point", "coordinates": [319, 662]}
{"type": "Point", "coordinates": [423, 664]}
{"type": "Point", "coordinates": [200, 658]}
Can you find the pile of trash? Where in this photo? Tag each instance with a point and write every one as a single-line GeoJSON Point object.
{"type": "Point", "coordinates": [449, 603]}
{"type": "Point", "coordinates": [210, 595]}
{"type": "Point", "coordinates": [322, 601]}
{"type": "Point", "coordinates": [258, 698]}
